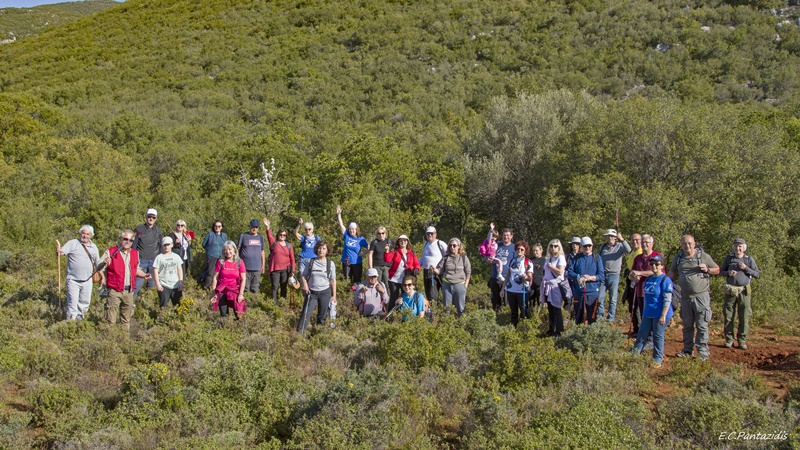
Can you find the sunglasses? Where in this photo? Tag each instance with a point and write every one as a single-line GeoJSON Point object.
{"type": "Point", "coordinates": [309, 229]}
{"type": "Point", "coordinates": [217, 226]}
{"type": "Point", "coordinates": [126, 240]}
{"type": "Point", "coordinates": [454, 245]}
{"type": "Point", "coordinates": [381, 233]}
{"type": "Point", "coordinates": [521, 249]}
{"type": "Point", "coordinates": [167, 245]}
{"type": "Point", "coordinates": [281, 235]}
{"type": "Point", "coordinates": [151, 217]}
{"type": "Point", "coordinates": [588, 245]}
{"type": "Point", "coordinates": [181, 226]}
{"type": "Point", "coordinates": [408, 285]}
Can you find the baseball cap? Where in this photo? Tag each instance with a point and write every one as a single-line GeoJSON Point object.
{"type": "Point", "coordinates": [254, 223]}
{"type": "Point", "coordinates": [575, 240]}
{"type": "Point", "coordinates": [430, 230]}
{"type": "Point", "coordinates": [372, 272]}
{"type": "Point", "coordinates": [586, 240]}
{"type": "Point", "coordinates": [610, 232]}
{"type": "Point", "coordinates": [151, 212]}
{"type": "Point", "coordinates": [738, 241]}
{"type": "Point", "coordinates": [657, 258]}
{"type": "Point", "coordinates": [166, 240]}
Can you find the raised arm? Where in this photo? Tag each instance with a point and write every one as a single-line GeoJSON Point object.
{"type": "Point", "coordinates": [297, 229]}
{"type": "Point", "coordinates": [339, 218]}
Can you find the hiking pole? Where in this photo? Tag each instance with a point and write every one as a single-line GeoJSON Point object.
{"type": "Point", "coordinates": [396, 307]}
{"type": "Point", "coordinates": [616, 206]}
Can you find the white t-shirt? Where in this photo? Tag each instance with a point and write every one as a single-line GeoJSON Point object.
{"type": "Point", "coordinates": [431, 255]}
{"type": "Point", "coordinates": [560, 261]}
{"type": "Point", "coordinates": [516, 268]}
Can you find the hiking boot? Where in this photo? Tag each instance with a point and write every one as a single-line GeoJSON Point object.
{"type": "Point", "coordinates": [742, 346]}
{"type": "Point", "coordinates": [683, 355]}
{"type": "Point", "coordinates": [728, 344]}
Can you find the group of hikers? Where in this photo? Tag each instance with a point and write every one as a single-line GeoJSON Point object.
{"type": "Point", "coordinates": [522, 276]}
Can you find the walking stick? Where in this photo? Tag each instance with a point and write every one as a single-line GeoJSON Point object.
{"type": "Point", "coordinates": [616, 206]}
{"type": "Point", "coordinates": [59, 275]}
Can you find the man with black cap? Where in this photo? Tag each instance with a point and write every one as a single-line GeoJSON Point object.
{"type": "Point", "coordinates": [251, 250]}
{"type": "Point", "coordinates": [147, 241]}
{"type": "Point", "coordinates": [738, 269]}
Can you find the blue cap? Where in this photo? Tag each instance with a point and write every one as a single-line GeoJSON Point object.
{"type": "Point", "coordinates": [254, 223]}
{"type": "Point", "coordinates": [657, 258]}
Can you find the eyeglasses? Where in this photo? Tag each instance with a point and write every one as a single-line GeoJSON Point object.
{"type": "Point", "coordinates": [217, 226]}
{"type": "Point", "coordinates": [126, 240]}
{"type": "Point", "coordinates": [281, 235]}
{"type": "Point", "coordinates": [521, 249]}
{"type": "Point", "coordinates": [408, 285]}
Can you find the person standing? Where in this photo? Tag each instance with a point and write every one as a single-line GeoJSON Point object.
{"type": "Point", "coordinates": [168, 274]}
{"type": "Point", "coordinates": [181, 244]}
{"type": "Point", "coordinates": [657, 310]}
{"type": "Point", "coordinates": [639, 272]}
{"type": "Point", "coordinates": [319, 287]}
{"type": "Point", "coordinates": [281, 260]}
{"type": "Point", "coordinates": [518, 276]}
{"type": "Point", "coordinates": [121, 264]}
{"type": "Point", "coordinates": [82, 258]}
{"type": "Point", "coordinates": [148, 244]}
{"type": "Point", "coordinates": [352, 264]}
{"type": "Point", "coordinates": [628, 294]}
{"type": "Point", "coordinates": [307, 243]}
{"type": "Point", "coordinates": [251, 250]}
{"type": "Point", "coordinates": [375, 254]}
{"type": "Point", "coordinates": [228, 282]}
{"type": "Point", "coordinates": [586, 272]}
{"type": "Point", "coordinates": [402, 262]}
{"type": "Point", "coordinates": [612, 254]}
{"type": "Point", "coordinates": [554, 268]}
{"type": "Point", "coordinates": [739, 269]}
{"type": "Point", "coordinates": [454, 270]}
{"type": "Point", "coordinates": [692, 269]}
{"type": "Point", "coordinates": [505, 251]}
{"type": "Point", "coordinates": [213, 243]}
{"type": "Point", "coordinates": [432, 253]}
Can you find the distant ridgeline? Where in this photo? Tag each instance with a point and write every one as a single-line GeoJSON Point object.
{"type": "Point", "coordinates": [17, 23]}
{"type": "Point", "coordinates": [541, 116]}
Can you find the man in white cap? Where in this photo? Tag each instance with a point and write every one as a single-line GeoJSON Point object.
{"type": "Point", "coordinates": [586, 271]}
{"type": "Point", "coordinates": [612, 254]}
{"type": "Point", "coordinates": [371, 296]}
{"type": "Point", "coordinates": [147, 241]}
{"type": "Point", "coordinates": [82, 257]}
{"type": "Point", "coordinates": [432, 252]}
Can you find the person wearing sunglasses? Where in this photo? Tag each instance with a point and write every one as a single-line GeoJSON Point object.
{"type": "Point", "coordinates": [182, 244]}
{"type": "Point", "coordinates": [518, 276]}
{"type": "Point", "coordinates": [403, 262]}
{"type": "Point", "coordinates": [454, 270]}
{"type": "Point", "coordinates": [658, 289]}
{"type": "Point", "coordinates": [281, 260]}
{"type": "Point", "coordinates": [377, 248]}
{"type": "Point", "coordinates": [212, 243]}
{"type": "Point", "coordinates": [412, 300]}
{"type": "Point", "coordinates": [586, 272]}
{"type": "Point", "coordinates": [352, 262]}
{"type": "Point", "coordinates": [554, 266]}
{"type": "Point", "coordinates": [121, 264]}
{"type": "Point", "coordinates": [307, 243]}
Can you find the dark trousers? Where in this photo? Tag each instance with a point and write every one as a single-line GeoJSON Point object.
{"type": "Point", "coordinates": [587, 309]}
{"type": "Point", "coordinates": [495, 287]}
{"type": "Point", "coordinates": [394, 294]}
{"type": "Point", "coordinates": [516, 300]}
{"type": "Point", "coordinates": [432, 285]}
{"type": "Point", "coordinates": [556, 320]}
{"type": "Point", "coordinates": [167, 295]}
{"type": "Point", "coordinates": [636, 314]}
{"type": "Point", "coordinates": [315, 299]}
{"type": "Point", "coordinates": [280, 279]}
{"type": "Point", "coordinates": [352, 272]}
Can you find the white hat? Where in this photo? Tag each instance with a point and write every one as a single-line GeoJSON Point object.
{"type": "Point", "coordinates": [610, 232]}
{"type": "Point", "coordinates": [430, 230]}
{"type": "Point", "coordinates": [151, 212]}
{"type": "Point", "coordinates": [352, 225]}
{"type": "Point", "coordinates": [372, 272]}
{"type": "Point", "coordinates": [586, 240]}
{"type": "Point", "coordinates": [575, 240]}
{"type": "Point", "coordinates": [402, 236]}
{"type": "Point", "coordinates": [166, 240]}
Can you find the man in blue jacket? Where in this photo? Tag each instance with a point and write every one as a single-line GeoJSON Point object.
{"type": "Point", "coordinates": [586, 272]}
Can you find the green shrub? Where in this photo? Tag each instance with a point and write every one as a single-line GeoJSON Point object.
{"type": "Point", "coordinates": [149, 386]}
{"type": "Point", "coordinates": [688, 372]}
{"type": "Point", "coordinates": [61, 411]}
{"type": "Point", "coordinates": [599, 338]}
{"type": "Point", "coordinates": [417, 344]}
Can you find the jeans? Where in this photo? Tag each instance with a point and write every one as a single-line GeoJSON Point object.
{"type": "Point", "coordinates": [611, 284]}
{"type": "Point", "coordinates": [314, 299]}
{"type": "Point", "coordinates": [304, 262]}
{"type": "Point", "coordinates": [455, 294]}
{"type": "Point", "coordinates": [147, 267]}
{"type": "Point", "coordinates": [651, 324]}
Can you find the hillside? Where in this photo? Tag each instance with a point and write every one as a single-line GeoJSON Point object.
{"type": "Point", "coordinates": [17, 23]}
{"type": "Point", "coordinates": [549, 117]}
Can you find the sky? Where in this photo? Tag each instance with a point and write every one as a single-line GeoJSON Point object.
{"type": "Point", "coordinates": [30, 3]}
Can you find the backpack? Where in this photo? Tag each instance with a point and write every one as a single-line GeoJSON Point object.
{"type": "Point", "coordinates": [328, 268]}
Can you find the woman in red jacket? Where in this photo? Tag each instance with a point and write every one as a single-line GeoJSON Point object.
{"type": "Point", "coordinates": [281, 261]}
{"type": "Point", "coordinates": [404, 262]}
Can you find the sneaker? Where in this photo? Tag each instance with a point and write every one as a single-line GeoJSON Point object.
{"type": "Point", "coordinates": [742, 346]}
{"type": "Point", "coordinates": [729, 344]}
{"type": "Point", "coordinates": [703, 357]}
{"type": "Point", "coordinates": [683, 355]}
{"type": "Point", "coordinates": [656, 365]}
